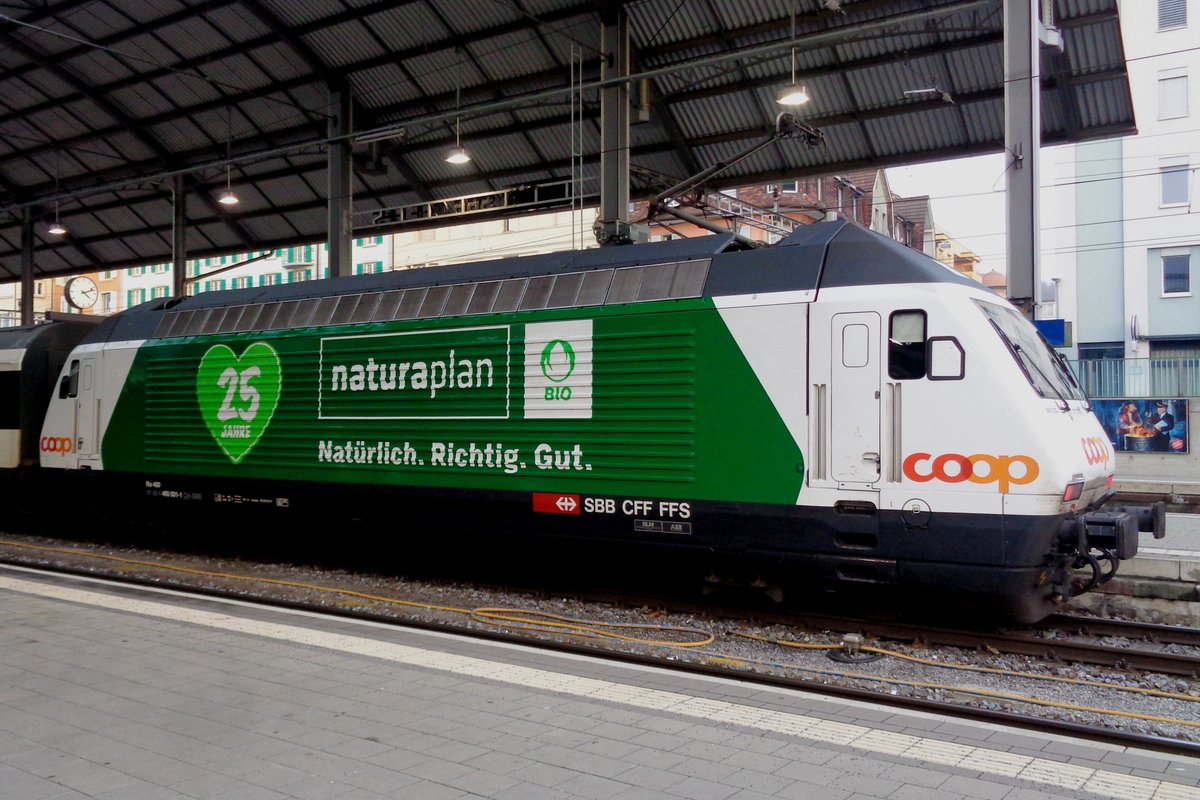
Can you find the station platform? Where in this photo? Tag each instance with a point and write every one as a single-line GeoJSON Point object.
{"type": "Point", "coordinates": [119, 693]}
{"type": "Point", "coordinates": [1180, 495]}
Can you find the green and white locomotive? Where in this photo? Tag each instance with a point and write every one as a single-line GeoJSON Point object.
{"type": "Point", "coordinates": [837, 406]}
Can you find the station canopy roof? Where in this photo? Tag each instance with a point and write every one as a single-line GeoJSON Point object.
{"type": "Point", "coordinates": [104, 102]}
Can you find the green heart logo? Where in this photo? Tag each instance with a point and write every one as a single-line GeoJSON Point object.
{"type": "Point", "coordinates": [238, 396]}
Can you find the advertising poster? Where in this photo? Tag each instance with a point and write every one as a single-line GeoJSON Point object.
{"type": "Point", "coordinates": [1156, 425]}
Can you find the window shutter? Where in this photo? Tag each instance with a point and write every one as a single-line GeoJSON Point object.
{"type": "Point", "coordinates": [1172, 97]}
{"type": "Point", "coordinates": [1172, 14]}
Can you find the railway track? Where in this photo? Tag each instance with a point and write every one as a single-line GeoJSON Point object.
{"type": "Point", "coordinates": [1030, 642]}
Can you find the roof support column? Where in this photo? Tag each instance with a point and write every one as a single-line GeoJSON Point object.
{"type": "Point", "coordinates": [1022, 140]}
{"type": "Point", "coordinates": [178, 237]}
{"type": "Point", "coordinates": [27, 267]}
{"type": "Point", "coordinates": [341, 203]}
{"type": "Point", "coordinates": [612, 226]}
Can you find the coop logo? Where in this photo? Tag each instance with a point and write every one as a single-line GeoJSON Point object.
{"type": "Point", "coordinates": [1095, 450]}
{"type": "Point", "coordinates": [57, 444]}
{"type": "Point", "coordinates": [558, 370]}
{"type": "Point", "coordinates": [977, 468]}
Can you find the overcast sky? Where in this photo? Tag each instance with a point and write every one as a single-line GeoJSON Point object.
{"type": "Point", "coordinates": [967, 196]}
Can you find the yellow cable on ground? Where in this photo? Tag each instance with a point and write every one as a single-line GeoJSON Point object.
{"type": "Point", "coordinates": [974, 668]}
{"type": "Point", "coordinates": [487, 616]}
{"type": "Point", "coordinates": [538, 620]}
{"type": "Point", "coordinates": [972, 691]}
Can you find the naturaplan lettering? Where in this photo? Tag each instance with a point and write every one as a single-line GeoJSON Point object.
{"type": "Point", "coordinates": [457, 373]}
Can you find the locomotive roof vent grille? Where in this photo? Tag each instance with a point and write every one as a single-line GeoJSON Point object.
{"type": "Point", "coordinates": [673, 281]}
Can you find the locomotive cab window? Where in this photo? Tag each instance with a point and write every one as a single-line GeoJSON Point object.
{"type": "Point", "coordinates": [69, 387]}
{"type": "Point", "coordinates": [10, 405]}
{"type": "Point", "coordinates": [906, 345]}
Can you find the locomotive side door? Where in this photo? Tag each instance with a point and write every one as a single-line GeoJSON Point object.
{"type": "Point", "coordinates": [854, 400]}
{"type": "Point", "coordinates": [85, 409]}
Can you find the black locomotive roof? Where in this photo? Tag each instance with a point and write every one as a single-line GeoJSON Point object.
{"type": "Point", "coordinates": [43, 335]}
{"type": "Point", "coordinates": [822, 255]}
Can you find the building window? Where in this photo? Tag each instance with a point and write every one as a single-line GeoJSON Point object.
{"type": "Point", "coordinates": [108, 275]}
{"type": "Point", "coordinates": [1177, 273]}
{"type": "Point", "coordinates": [1174, 183]}
{"type": "Point", "coordinates": [1172, 94]}
{"type": "Point", "coordinates": [790, 187]}
{"type": "Point", "coordinates": [108, 301]}
{"type": "Point", "coordinates": [1172, 14]}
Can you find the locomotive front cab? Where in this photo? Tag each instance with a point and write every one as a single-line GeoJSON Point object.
{"type": "Point", "coordinates": [1092, 538]}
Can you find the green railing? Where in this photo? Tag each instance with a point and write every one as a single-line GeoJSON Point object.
{"type": "Point", "coordinates": [1120, 378]}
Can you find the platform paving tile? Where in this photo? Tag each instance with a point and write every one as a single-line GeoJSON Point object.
{"type": "Point", "coordinates": [653, 757]}
{"type": "Point", "coordinates": [593, 787]}
{"type": "Point", "coordinates": [815, 774]}
{"type": "Point", "coordinates": [1142, 761]}
{"type": "Point", "coordinates": [139, 791]}
{"type": "Point", "coordinates": [701, 768]}
{"type": "Point", "coordinates": [761, 762]}
{"type": "Point", "coordinates": [749, 794]}
{"type": "Point", "coordinates": [565, 757]}
{"type": "Point", "coordinates": [529, 791]}
{"type": "Point", "coordinates": [19, 783]}
{"type": "Point", "coordinates": [1006, 739]}
{"type": "Point", "coordinates": [564, 738]}
{"type": "Point", "coordinates": [805, 754]}
{"type": "Point", "coordinates": [1100, 765]}
{"type": "Point", "coordinates": [610, 748]}
{"type": "Point", "coordinates": [543, 774]}
{"type": "Point", "coordinates": [706, 751]}
{"type": "Point", "coordinates": [658, 741]}
{"type": "Point", "coordinates": [754, 780]}
{"type": "Point", "coordinates": [866, 784]}
{"type": "Point", "coordinates": [915, 775]}
{"type": "Point", "coordinates": [484, 784]}
{"type": "Point", "coordinates": [975, 788]}
{"type": "Point", "coordinates": [804, 791]}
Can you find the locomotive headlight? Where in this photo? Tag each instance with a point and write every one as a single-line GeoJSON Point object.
{"type": "Point", "coordinates": [1073, 492]}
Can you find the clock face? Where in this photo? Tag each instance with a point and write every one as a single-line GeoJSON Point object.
{"type": "Point", "coordinates": [82, 292]}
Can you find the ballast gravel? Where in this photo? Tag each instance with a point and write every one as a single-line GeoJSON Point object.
{"type": "Point", "coordinates": [1097, 697]}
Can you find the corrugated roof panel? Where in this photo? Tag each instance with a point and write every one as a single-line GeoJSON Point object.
{"type": "Point", "coordinates": [982, 120]}
{"type": "Point", "coordinates": [480, 17]}
{"type": "Point", "coordinates": [181, 134]}
{"type": "Point", "coordinates": [711, 116]}
{"type": "Point", "coordinates": [383, 86]}
{"type": "Point", "coordinates": [406, 26]}
{"type": "Point", "coordinates": [554, 141]}
{"type": "Point", "coordinates": [142, 101]}
{"type": "Point", "coordinates": [279, 60]}
{"type": "Point", "coordinates": [580, 32]}
{"type": "Point", "coordinates": [220, 77]}
{"type": "Point", "coordinates": [511, 55]}
{"type": "Point", "coordinates": [98, 66]}
{"type": "Point", "coordinates": [441, 71]}
{"type": "Point", "coordinates": [977, 68]}
{"type": "Point", "coordinates": [299, 13]}
{"type": "Point", "coordinates": [732, 16]}
{"type": "Point", "coordinates": [1090, 48]}
{"type": "Point", "coordinates": [503, 153]}
{"type": "Point", "coordinates": [195, 37]}
{"type": "Point", "coordinates": [345, 44]}
{"type": "Point", "coordinates": [663, 23]}
{"type": "Point", "coordinates": [932, 129]}
{"type": "Point", "coordinates": [61, 123]}
{"type": "Point", "coordinates": [1104, 103]}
